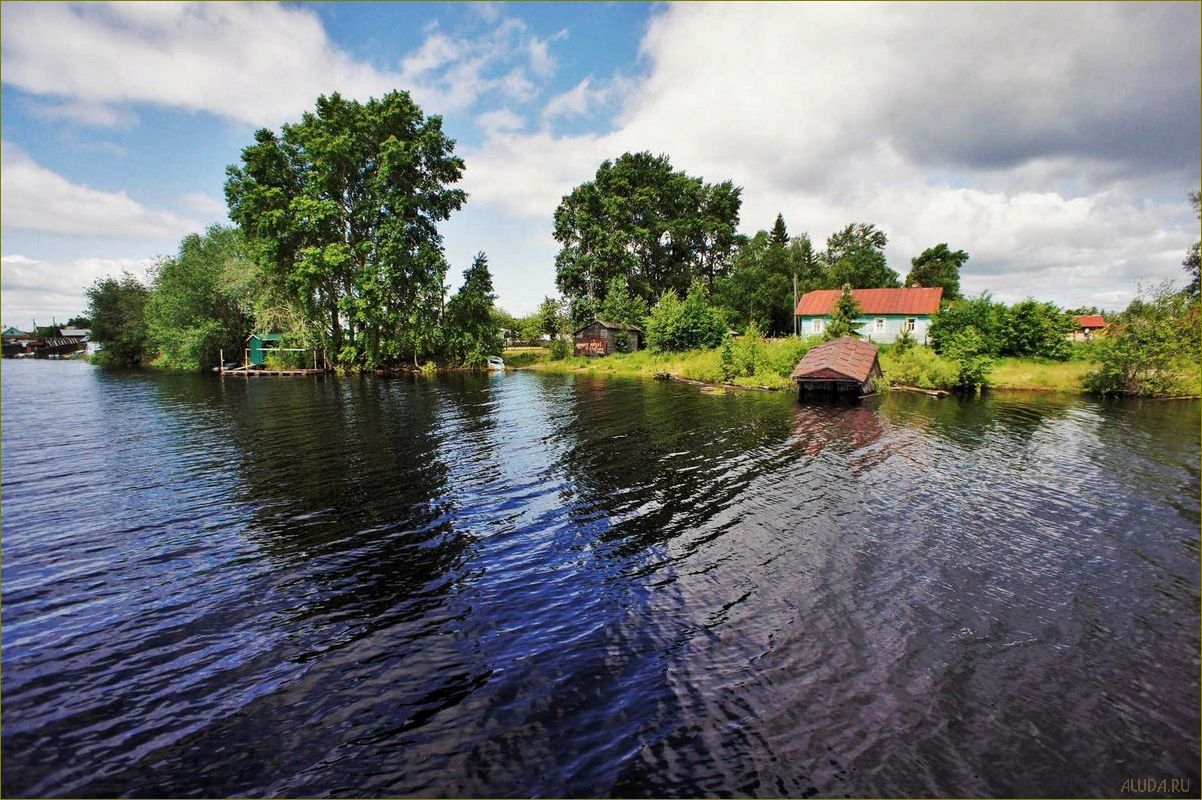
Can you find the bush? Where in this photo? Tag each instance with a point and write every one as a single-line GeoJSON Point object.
{"type": "Point", "coordinates": [726, 362]}
{"type": "Point", "coordinates": [980, 313]}
{"type": "Point", "coordinates": [675, 326]}
{"type": "Point", "coordinates": [1036, 329]}
{"type": "Point", "coordinates": [973, 364]}
{"type": "Point", "coordinates": [560, 349]}
{"type": "Point", "coordinates": [1152, 349]}
{"type": "Point", "coordinates": [750, 350]}
{"type": "Point", "coordinates": [918, 366]}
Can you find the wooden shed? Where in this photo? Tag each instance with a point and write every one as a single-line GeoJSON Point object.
{"type": "Point", "coordinates": [600, 338]}
{"type": "Point", "coordinates": [842, 366]}
{"type": "Point", "coordinates": [259, 344]}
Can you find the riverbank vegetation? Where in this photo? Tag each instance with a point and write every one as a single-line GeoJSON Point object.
{"type": "Point", "coordinates": [336, 249]}
{"type": "Point", "coordinates": [919, 367]}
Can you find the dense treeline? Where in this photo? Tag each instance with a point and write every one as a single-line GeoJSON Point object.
{"type": "Point", "coordinates": [660, 231]}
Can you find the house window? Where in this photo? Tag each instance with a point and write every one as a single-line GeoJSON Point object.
{"type": "Point", "coordinates": [910, 323]}
{"type": "Point", "coordinates": [817, 328]}
{"type": "Point", "coordinates": [879, 325]}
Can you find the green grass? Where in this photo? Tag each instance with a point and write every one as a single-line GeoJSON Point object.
{"type": "Point", "coordinates": [775, 360]}
{"type": "Point", "coordinates": [1040, 374]}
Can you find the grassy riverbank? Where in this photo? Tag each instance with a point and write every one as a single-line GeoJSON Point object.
{"type": "Point", "coordinates": [776, 358]}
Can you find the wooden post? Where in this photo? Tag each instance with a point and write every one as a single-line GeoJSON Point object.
{"type": "Point", "coordinates": [221, 361]}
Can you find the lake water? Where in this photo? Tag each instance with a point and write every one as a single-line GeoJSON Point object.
{"type": "Point", "coordinates": [543, 585]}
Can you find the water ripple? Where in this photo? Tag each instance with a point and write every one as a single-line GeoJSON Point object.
{"type": "Point", "coordinates": [519, 585]}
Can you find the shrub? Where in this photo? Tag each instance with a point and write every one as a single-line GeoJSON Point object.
{"type": "Point", "coordinates": [750, 350]}
{"type": "Point", "coordinates": [1152, 349]}
{"type": "Point", "coordinates": [980, 313]}
{"type": "Point", "coordinates": [918, 366]}
{"type": "Point", "coordinates": [675, 326]}
{"type": "Point", "coordinates": [560, 349]}
{"type": "Point", "coordinates": [1032, 328]}
{"type": "Point", "coordinates": [726, 362]}
{"type": "Point", "coordinates": [973, 364]}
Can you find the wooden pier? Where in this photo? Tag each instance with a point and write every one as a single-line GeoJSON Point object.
{"type": "Point", "coordinates": [250, 370]}
{"type": "Point", "coordinates": [254, 372]}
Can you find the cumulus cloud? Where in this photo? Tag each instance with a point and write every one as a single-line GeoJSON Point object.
{"type": "Point", "coordinates": [586, 97]}
{"type": "Point", "coordinates": [33, 289]}
{"type": "Point", "coordinates": [96, 60]}
{"type": "Point", "coordinates": [34, 198]}
{"type": "Point", "coordinates": [500, 120]}
{"type": "Point", "coordinates": [1054, 142]}
{"type": "Point", "coordinates": [212, 208]}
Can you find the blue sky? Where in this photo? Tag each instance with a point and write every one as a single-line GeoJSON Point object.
{"type": "Point", "coordinates": [1053, 142]}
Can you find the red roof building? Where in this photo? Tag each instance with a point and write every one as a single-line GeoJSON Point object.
{"type": "Point", "coordinates": [885, 314]}
{"type": "Point", "coordinates": [1088, 326]}
{"type": "Point", "coordinates": [873, 301]}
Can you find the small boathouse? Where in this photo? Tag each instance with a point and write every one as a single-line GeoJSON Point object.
{"type": "Point", "coordinates": [844, 367]}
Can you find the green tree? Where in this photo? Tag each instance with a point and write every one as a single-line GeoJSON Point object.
{"type": "Point", "coordinates": [759, 288]}
{"type": "Point", "coordinates": [675, 325]}
{"type": "Point", "coordinates": [1193, 260]}
{"type": "Point", "coordinates": [621, 306]}
{"type": "Point", "coordinates": [1032, 328]}
{"type": "Point", "coordinates": [808, 265]}
{"type": "Point", "coordinates": [1152, 348]}
{"type": "Point", "coordinates": [938, 267]}
{"type": "Point", "coordinates": [780, 234]}
{"type": "Point", "coordinates": [471, 333]}
{"type": "Point", "coordinates": [343, 207]}
{"type": "Point", "coordinates": [641, 220]}
{"type": "Point", "coordinates": [980, 313]}
{"type": "Point", "coordinates": [552, 320]}
{"type": "Point", "coordinates": [195, 311]}
{"type": "Point", "coordinates": [117, 308]}
{"type": "Point", "coordinates": [856, 256]}
{"type": "Point", "coordinates": [844, 318]}
{"type": "Point", "coordinates": [967, 350]}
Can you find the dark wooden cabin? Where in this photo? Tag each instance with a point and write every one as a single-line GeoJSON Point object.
{"type": "Point", "coordinates": [844, 367]}
{"type": "Point", "coordinates": [600, 338]}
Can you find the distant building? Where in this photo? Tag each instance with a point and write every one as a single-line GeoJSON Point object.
{"type": "Point", "coordinates": [884, 313]}
{"type": "Point", "coordinates": [600, 338]}
{"type": "Point", "coordinates": [1088, 326]}
{"type": "Point", "coordinates": [842, 366]}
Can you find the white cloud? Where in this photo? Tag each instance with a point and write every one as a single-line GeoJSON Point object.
{"type": "Point", "coordinates": [256, 63]}
{"type": "Point", "coordinates": [499, 121]}
{"type": "Point", "coordinates": [212, 208]}
{"type": "Point", "coordinates": [32, 289]}
{"type": "Point", "coordinates": [1031, 136]}
{"type": "Point", "coordinates": [83, 112]}
{"type": "Point", "coordinates": [33, 198]}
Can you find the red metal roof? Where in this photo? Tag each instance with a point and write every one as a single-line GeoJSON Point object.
{"type": "Point", "coordinates": [873, 301]}
{"type": "Point", "coordinates": [844, 358]}
{"type": "Point", "coordinates": [1091, 321]}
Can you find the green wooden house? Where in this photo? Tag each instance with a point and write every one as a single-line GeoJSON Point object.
{"type": "Point", "coordinates": [884, 313]}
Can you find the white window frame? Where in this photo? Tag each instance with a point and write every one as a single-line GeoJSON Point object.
{"type": "Point", "coordinates": [911, 324]}
{"type": "Point", "coordinates": [878, 325]}
{"type": "Point", "coordinates": [818, 325]}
